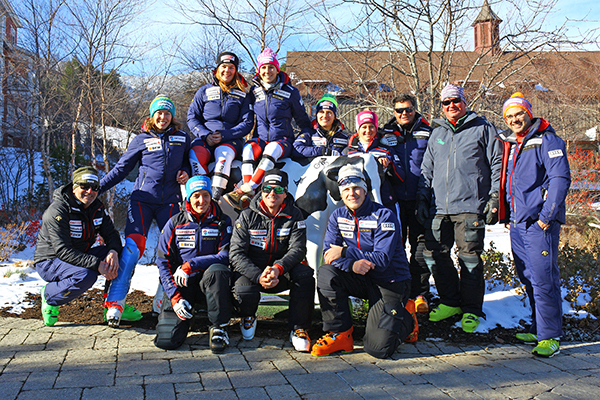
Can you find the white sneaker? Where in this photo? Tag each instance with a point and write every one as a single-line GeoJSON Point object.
{"type": "Point", "coordinates": [300, 340]}
{"type": "Point", "coordinates": [248, 327]}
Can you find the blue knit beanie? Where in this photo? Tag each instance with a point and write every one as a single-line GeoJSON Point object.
{"type": "Point", "coordinates": [162, 102]}
{"type": "Point", "coordinates": [195, 184]}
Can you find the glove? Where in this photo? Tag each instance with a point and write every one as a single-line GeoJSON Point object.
{"type": "Point", "coordinates": [182, 274]}
{"type": "Point", "coordinates": [183, 309]}
{"type": "Point", "coordinates": [422, 211]}
{"type": "Point", "coordinates": [491, 209]}
{"type": "Point", "coordinates": [389, 140]}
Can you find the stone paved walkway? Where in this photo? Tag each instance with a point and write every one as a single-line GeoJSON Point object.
{"type": "Point", "coordinates": [96, 362]}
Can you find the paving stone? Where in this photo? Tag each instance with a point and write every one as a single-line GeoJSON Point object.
{"type": "Point", "coordinates": [252, 378]}
{"type": "Point", "coordinates": [128, 354]}
{"type": "Point", "coordinates": [13, 339]}
{"type": "Point", "coordinates": [234, 362]}
{"type": "Point", "coordinates": [324, 364]}
{"type": "Point", "coordinates": [188, 387]}
{"type": "Point", "coordinates": [464, 395]}
{"type": "Point", "coordinates": [334, 396]}
{"type": "Point", "coordinates": [209, 395]}
{"type": "Point", "coordinates": [553, 379]}
{"type": "Point", "coordinates": [448, 348]}
{"type": "Point", "coordinates": [262, 354]}
{"type": "Point", "coordinates": [568, 363]}
{"type": "Point", "coordinates": [172, 378]}
{"type": "Point", "coordinates": [588, 380]}
{"type": "Point", "coordinates": [528, 366]}
{"type": "Point", "coordinates": [143, 367]}
{"type": "Point", "coordinates": [215, 380]}
{"type": "Point", "coordinates": [59, 341]}
{"type": "Point", "coordinates": [40, 380]}
{"type": "Point", "coordinates": [526, 391]}
{"type": "Point", "coordinates": [114, 392]}
{"type": "Point", "coordinates": [254, 393]}
{"type": "Point", "coordinates": [579, 391]}
{"type": "Point", "coordinates": [282, 392]}
{"type": "Point", "coordinates": [62, 394]}
{"type": "Point", "coordinates": [38, 338]}
{"type": "Point", "coordinates": [161, 391]}
{"type": "Point", "coordinates": [81, 329]}
{"type": "Point", "coordinates": [376, 393]}
{"type": "Point", "coordinates": [451, 381]}
{"type": "Point", "coordinates": [406, 376]}
{"type": "Point", "coordinates": [103, 343]}
{"type": "Point", "coordinates": [549, 396]}
{"type": "Point", "coordinates": [380, 379]}
{"type": "Point", "coordinates": [418, 392]}
{"type": "Point", "coordinates": [85, 378]}
{"type": "Point", "coordinates": [204, 352]}
{"type": "Point", "coordinates": [36, 361]}
{"type": "Point", "coordinates": [129, 380]}
{"type": "Point", "coordinates": [89, 356]}
{"type": "Point", "coordinates": [324, 383]}
{"type": "Point", "coordinates": [154, 353]}
{"type": "Point", "coordinates": [10, 390]}
{"type": "Point", "coordinates": [428, 348]}
{"type": "Point", "coordinates": [196, 364]}
{"type": "Point", "coordinates": [14, 377]}
{"type": "Point", "coordinates": [288, 367]}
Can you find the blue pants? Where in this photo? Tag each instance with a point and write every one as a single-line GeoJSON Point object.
{"type": "Point", "coordinates": [140, 216]}
{"type": "Point", "coordinates": [535, 252]}
{"type": "Point", "coordinates": [66, 281]}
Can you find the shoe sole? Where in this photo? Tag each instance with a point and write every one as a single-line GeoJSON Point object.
{"type": "Point", "coordinates": [339, 351]}
{"type": "Point", "coordinates": [422, 309]}
{"type": "Point", "coordinates": [441, 319]}
{"type": "Point", "coordinates": [546, 356]}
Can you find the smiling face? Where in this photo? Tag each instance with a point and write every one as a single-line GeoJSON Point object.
{"type": "Point", "coordinates": [272, 200]}
{"type": "Point", "coordinates": [325, 119]}
{"type": "Point", "coordinates": [268, 73]}
{"type": "Point", "coordinates": [225, 73]}
{"type": "Point", "coordinates": [455, 110]}
{"type": "Point", "coordinates": [353, 197]}
{"type": "Point", "coordinates": [162, 120]}
{"type": "Point", "coordinates": [517, 120]}
{"type": "Point", "coordinates": [86, 194]}
{"type": "Point", "coordinates": [367, 132]}
{"type": "Point", "coordinates": [406, 117]}
{"type": "Point", "coordinates": [200, 201]}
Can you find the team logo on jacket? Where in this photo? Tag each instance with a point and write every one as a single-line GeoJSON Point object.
{"type": "Point", "coordinates": [319, 141]}
{"type": "Point", "coordinates": [283, 231]}
{"type": "Point", "coordinates": [186, 245]}
{"type": "Point", "coordinates": [213, 93]}
{"type": "Point", "coordinates": [282, 93]}
{"type": "Point", "coordinates": [97, 221]}
{"type": "Point", "coordinates": [388, 226]}
{"type": "Point", "coordinates": [344, 227]}
{"type": "Point", "coordinates": [344, 221]}
{"type": "Point", "coordinates": [301, 225]}
{"type": "Point", "coordinates": [259, 94]}
{"type": "Point", "coordinates": [177, 138]}
{"type": "Point", "coordinates": [340, 141]}
{"type": "Point", "coordinates": [347, 235]}
{"type": "Point", "coordinates": [545, 253]}
{"type": "Point", "coordinates": [185, 231]}
{"type": "Point", "coordinates": [440, 141]}
{"type": "Point", "coordinates": [367, 224]}
{"type": "Point", "coordinates": [210, 232]}
{"type": "Point", "coordinates": [555, 153]}
{"type": "Point", "coordinates": [153, 144]}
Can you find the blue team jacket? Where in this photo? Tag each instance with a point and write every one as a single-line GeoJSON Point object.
{"type": "Point", "coordinates": [373, 233]}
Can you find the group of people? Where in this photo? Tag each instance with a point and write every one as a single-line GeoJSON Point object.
{"type": "Point", "coordinates": [442, 185]}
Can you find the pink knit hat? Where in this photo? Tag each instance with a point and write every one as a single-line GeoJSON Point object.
{"type": "Point", "coordinates": [364, 117]}
{"type": "Point", "coordinates": [268, 56]}
{"type": "Point", "coordinates": [517, 100]}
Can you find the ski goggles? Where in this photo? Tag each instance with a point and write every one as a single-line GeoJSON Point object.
{"type": "Point", "coordinates": [455, 101]}
{"type": "Point", "coordinates": [277, 189]}
{"type": "Point", "coordinates": [350, 181]}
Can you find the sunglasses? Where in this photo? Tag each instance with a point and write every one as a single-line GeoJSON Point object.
{"type": "Point", "coordinates": [455, 101]}
{"type": "Point", "coordinates": [277, 189]}
{"type": "Point", "coordinates": [402, 110]}
{"type": "Point", "coordinates": [351, 180]}
{"type": "Point", "coordinates": [88, 186]}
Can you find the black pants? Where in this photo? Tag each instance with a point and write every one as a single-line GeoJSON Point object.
{"type": "Point", "coordinates": [215, 285]}
{"type": "Point", "coordinates": [388, 323]}
{"type": "Point", "coordinates": [416, 237]}
{"type": "Point", "coordinates": [299, 280]}
{"type": "Point", "coordinates": [468, 231]}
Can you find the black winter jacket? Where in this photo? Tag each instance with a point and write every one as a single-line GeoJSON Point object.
{"type": "Point", "coordinates": [259, 241]}
{"type": "Point", "coordinates": [68, 230]}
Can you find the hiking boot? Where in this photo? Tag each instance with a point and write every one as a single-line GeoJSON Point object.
{"type": "Point", "coordinates": [421, 304]}
{"type": "Point", "coordinates": [332, 342]}
{"type": "Point", "coordinates": [218, 339]}
{"type": "Point", "coordinates": [129, 313]}
{"type": "Point", "coordinates": [49, 313]}
{"type": "Point", "coordinates": [469, 322]}
{"type": "Point", "coordinates": [546, 348]}
{"type": "Point", "coordinates": [527, 338]}
{"type": "Point", "coordinates": [442, 312]}
{"type": "Point", "coordinates": [414, 335]}
{"type": "Point", "coordinates": [300, 340]}
{"type": "Point", "coordinates": [240, 198]}
{"type": "Point", "coordinates": [248, 327]}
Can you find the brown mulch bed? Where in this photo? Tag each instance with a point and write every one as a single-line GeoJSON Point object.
{"type": "Point", "coordinates": [87, 309]}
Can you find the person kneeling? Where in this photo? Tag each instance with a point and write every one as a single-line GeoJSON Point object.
{"type": "Point", "coordinates": [268, 248]}
{"type": "Point", "coordinates": [192, 258]}
{"type": "Point", "coordinates": [364, 258]}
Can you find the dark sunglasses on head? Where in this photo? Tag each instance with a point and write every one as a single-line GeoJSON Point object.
{"type": "Point", "coordinates": [277, 189]}
{"type": "Point", "coordinates": [455, 101]}
{"type": "Point", "coordinates": [88, 186]}
{"type": "Point", "coordinates": [407, 109]}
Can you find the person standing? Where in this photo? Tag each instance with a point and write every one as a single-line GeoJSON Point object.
{"type": "Point", "coordinates": [276, 103]}
{"type": "Point", "coordinates": [533, 188]}
{"type": "Point", "coordinates": [220, 116]}
{"type": "Point", "coordinates": [460, 180]}
{"type": "Point", "coordinates": [193, 260]}
{"type": "Point", "coordinates": [64, 256]}
{"type": "Point", "coordinates": [364, 257]}
{"type": "Point", "coordinates": [267, 254]}
{"type": "Point", "coordinates": [407, 134]}
{"type": "Point", "coordinates": [162, 151]}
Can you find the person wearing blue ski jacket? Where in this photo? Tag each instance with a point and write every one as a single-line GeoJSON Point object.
{"type": "Point", "coordinates": [193, 259]}
{"type": "Point", "coordinates": [407, 134]}
{"type": "Point", "coordinates": [533, 187]}
{"type": "Point", "coordinates": [161, 150]}
{"type": "Point", "coordinates": [220, 116]}
{"type": "Point", "coordinates": [328, 137]}
{"type": "Point", "coordinates": [276, 104]}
